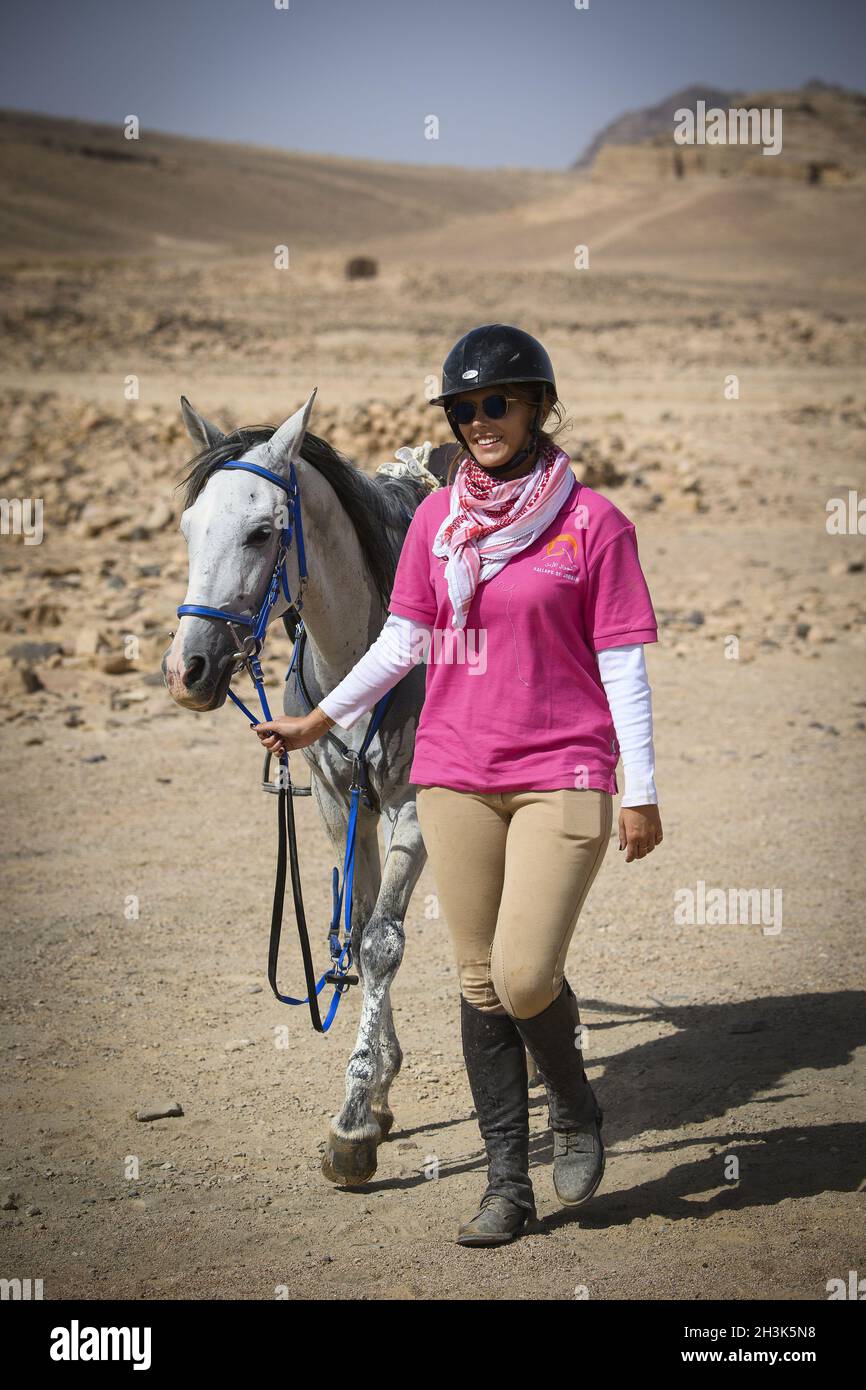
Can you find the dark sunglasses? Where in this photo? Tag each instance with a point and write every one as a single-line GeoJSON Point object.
{"type": "Point", "coordinates": [494, 407]}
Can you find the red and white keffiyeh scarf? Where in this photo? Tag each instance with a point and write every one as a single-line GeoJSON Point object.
{"type": "Point", "coordinates": [489, 521]}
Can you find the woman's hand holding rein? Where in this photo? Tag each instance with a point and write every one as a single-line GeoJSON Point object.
{"type": "Point", "coordinates": [290, 731]}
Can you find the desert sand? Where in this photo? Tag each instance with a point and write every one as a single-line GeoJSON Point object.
{"type": "Point", "coordinates": [706, 1041]}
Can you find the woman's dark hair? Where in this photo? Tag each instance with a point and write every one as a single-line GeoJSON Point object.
{"type": "Point", "coordinates": [524, 391]}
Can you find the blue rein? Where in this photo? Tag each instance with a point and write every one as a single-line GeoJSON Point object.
{"type": "Point", "coordinates": [250, 648]}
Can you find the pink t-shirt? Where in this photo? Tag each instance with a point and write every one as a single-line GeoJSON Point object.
{"type": "Point", "coordinates": [515, 702]}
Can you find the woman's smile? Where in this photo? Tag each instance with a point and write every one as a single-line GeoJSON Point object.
{"type": "Point", "coordinates": [488, 443]}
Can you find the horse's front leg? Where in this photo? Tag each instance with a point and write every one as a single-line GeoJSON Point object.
{"type": "Point", "coordinates": [405, 858]}
{"type": "Point", "coordinates": [366, 1116]}
{"type": "Point", "coordinates": [350, 1154]}
{"type": "Point", "coordinates": [350, 1157]}
{"type": "Point", "coordinates": [390, 1062]}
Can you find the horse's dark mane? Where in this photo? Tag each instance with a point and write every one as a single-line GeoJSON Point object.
{"type": "Point", "coordinates": [379, 507]}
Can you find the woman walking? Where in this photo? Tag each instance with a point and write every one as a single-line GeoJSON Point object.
{"type": "Point", "coordinates": [522, 590]}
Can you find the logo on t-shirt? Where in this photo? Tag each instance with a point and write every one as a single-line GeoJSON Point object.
{"type": "Point", "coordinates": [560, 558]}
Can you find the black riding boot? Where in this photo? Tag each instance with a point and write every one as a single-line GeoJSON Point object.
{"type": "Point", "coordinates": [496, 1067]}
{"type": "Point", "coordinates": [575, 1115]}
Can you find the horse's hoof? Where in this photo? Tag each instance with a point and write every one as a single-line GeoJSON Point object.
{"type": "Point", "coordinates": [385, 1120]}
{"type": "Point", "coordinates": [351, 1162]}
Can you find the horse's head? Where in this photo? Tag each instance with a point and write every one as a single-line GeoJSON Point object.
{"type": "Point", "coordinates": [232, 525]}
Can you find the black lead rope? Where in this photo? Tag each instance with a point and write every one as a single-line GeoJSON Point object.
{"type": "Point", "coordinates": [286, 838]}
{"type": "Point", "coordinates": [287, 853]}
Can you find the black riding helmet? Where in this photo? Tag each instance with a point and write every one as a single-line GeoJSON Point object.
{"type": "Point", "coordinates": [494, 355]}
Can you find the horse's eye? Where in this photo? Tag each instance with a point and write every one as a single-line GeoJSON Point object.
{"type": "Point", "coordinates": [260, 536]}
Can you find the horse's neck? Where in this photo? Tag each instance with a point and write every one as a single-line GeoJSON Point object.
{"type": "Point", "coordinates": [339, 606]}
{"type": "Point", "coordinates": [339, 632]}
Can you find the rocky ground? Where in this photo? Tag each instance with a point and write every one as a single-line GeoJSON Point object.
{"type": "Point", "coordinates": [707, 1042]}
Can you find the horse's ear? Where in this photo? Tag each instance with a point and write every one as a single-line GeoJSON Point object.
{"type": "Point", "coordinates": [200, 430]}
{"type": "Point", "coordinates": [285, 443]}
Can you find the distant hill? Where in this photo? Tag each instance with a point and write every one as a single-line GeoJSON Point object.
{"type": "Point", "coordinates": [647, 121]}
{"type": "Point", "coordinates": [71, 187]}
{"type": "Point", "coordinates": [823, 139]}
{"type": "Point", "coordinates": [78, 190]}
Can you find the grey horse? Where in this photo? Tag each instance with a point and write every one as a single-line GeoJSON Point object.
{"type": "Point", "coordinates": [353, 526]}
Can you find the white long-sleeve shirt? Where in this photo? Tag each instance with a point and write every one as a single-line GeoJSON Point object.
{"type": "Point", "coordinates": [403, 641]}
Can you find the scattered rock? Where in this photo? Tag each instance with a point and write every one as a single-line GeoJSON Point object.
{"type": "Point", "coordinates": [159, 1112]}
{"type": "Point", "coordinates": [122, 699]}
{"type": "Point", "coordinates": [116, 664]}
{"type": "Point", "coordinates": [30, 679]}
{"type": "Point", "coordinates": [160, 516]}
{"type": "Point", "coordinates": [30, 652]}
{"type": "Point", "coordinates": [88, 641]}
{"type": "Point", "coordinates": [361, 268]}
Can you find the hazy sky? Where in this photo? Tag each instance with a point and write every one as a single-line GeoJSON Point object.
{"type": "Point", "coordinates": [511, 81]}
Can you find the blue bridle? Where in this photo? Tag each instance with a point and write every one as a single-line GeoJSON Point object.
{"type": "Point", "coordinates": [250, 648]}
